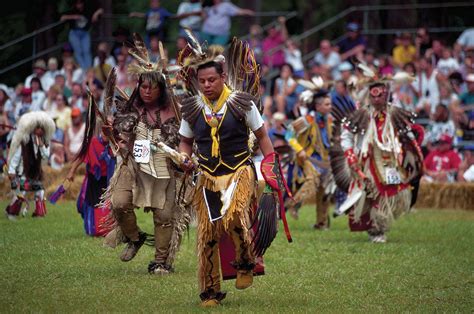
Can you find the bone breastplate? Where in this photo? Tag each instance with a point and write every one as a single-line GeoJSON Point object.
{"type": "Point", "coordinates": [157, 166]}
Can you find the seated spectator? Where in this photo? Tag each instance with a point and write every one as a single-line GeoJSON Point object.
{"type": "Point", "coordinates": [466, 169]}
{"type": "Point", "coordinates": [109, 58]}
{"type": "Point", "coordinates": [49, 104]}
{"type": "Point", "coordinates": [49, 76]}
{"type": "Point", "coordinates": [467, 104]}
{"type": "Point", "coordinates": [57, 157]}
{"type": "Point", "coordinates": [440, 125]}
{"type": "Point", "coordinates": [37, 94]}
{"type": "Point", "coordinates": [293, 58]}
{"type": "Point", "coordinates": [327, 57]}
{"type": "Point", "coordinates": [285, 95]}
{"type": "Point", "coordinates": [277, 127]}
{"type": "Point", "coordinates": [154, 50]}
{"type": "Point", "coordinates": [435, 52]}
{"type": "Point", "coordinates": [404, 52]}
{"type": "Point", "coordinates": [72, 72]}
{"type": "Point", "coordinates": [39, 69]}
{"type": "Point", "coordinates": [62, 112]}
{"type": "Point", "coordinates": [123, 77]}
{"type": "Point", "coordinates": [423, 41]}
{"type": "Point", "coordinates": [74, 134]}
{"type": "Point", "coordinates": [466, 39]}
{"type": "Point", "coordinates": [353, 44]}
{"type": "Point", "coordinates": [272, 45]}
{"type": "Point", "coordinates": [76, 98]}
{"type": "Point", "coordinates": [102, 69]}
{"type": "Point", "coordinates": [60, 81]}
{"type": "Point", "coordinates": [385, 65]}
{"type": "Point", "coordinates": [442, 164]}
{"type": "Point", "coordinates": [426, 87]}
{"type": "Point", "coordinates": [447, 64]}
{"type": "Point", "coordinates": [26, 104]}
{"type": "Point", "coordinates": [346, 70]}
{"type": "Point", "coordinates": [447, 97]}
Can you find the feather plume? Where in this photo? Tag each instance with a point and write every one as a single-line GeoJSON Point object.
{"type": "Point", "coordinates": [366, 71]}
{"type": "Point", "coordinates": [193, 42]}
{"type": "Point", "coordinates": [109, 92]}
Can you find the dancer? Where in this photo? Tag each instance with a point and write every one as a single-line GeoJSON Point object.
{"type": "Point", "coordinates": [29, 147]}
{"type": "Point", "coordinates": [310, 138]}
{"type": "Point", "coordinates": [381, 145]}
{"type": "Point", "coordinates": [100, 164]}
{"type": "Point", "coordinates": [219, 120]}
{"type": "Point", "coordinates": [145, 177]}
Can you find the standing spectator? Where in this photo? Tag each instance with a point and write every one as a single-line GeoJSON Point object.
{"type": "Point", "coordinates": [37, 94]}
{"type": "Point", "coordinates": [39, 69]}
{"type": "Point", "coordinates": [272, 45]}
{"type": "Point", "coordinates": [217, 22]}
{"type": "Point", "coordinates": [442, 164]}
{"type": "Point", "coordinates": [293, 58]}
{"type": "Point", "coordinates": [327, 57]}
{"type": "Point", "coordinates": [255, 42]}
{"type": "Point", "coordinates": [155, 18]}
{"type": "Point", "coordinates": [74, 134]}
{"type": "Point", "coordinates": [80, 18]}
{"type": "Point", "coordinates": [48, 78]}
{"type": "Point", "coordinates": [404, 52]}
{"type": "Point", "coordinates": [353, 44]}
{"type": "Point", "coordinates": [423, 41]}
{"type": "Point", "coordinates": [189, 13]}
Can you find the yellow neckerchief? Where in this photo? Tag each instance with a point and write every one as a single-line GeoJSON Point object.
{"type": "Point", "coordinates": [215, 109]}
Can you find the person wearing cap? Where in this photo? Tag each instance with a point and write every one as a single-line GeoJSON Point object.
{"type": "Point", "coordinates": [381, 146]}
{"type": "Point", "coordinates": [310, 138]}
{"type": "Point", "coordinates": [442, 163]}
{"type": "Point", "coordinates": [26, 104]}
{"type": "Point", "coordinates": [51, 72]}
{"type": "Point", "coordinates": [353, 44]}
{"type": "Point", "coordinates": [39, 69]}
{"type": "Point", "coordinates": [74, 134]}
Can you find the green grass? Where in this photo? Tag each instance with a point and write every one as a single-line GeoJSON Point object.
{"type": "Point", "coordinates": [50, 265]}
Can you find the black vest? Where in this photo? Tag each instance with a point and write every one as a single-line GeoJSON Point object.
{"type": "Point", "coordinates": [233, 136]}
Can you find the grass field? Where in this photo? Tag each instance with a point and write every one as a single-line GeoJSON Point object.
{"type": "Point", "coordinates": [49, 265]}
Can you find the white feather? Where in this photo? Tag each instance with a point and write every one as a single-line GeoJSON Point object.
{"type": "Point", "coordinates": [366, 71]}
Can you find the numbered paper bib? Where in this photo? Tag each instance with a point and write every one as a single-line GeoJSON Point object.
{"type": "Point", "coordinates": [392, 176]}
{"type": "Point", "coordinates": [141, 151]}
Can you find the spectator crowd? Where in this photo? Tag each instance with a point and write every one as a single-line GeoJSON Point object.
{"type": "Point", "coordinates": [431, 77]}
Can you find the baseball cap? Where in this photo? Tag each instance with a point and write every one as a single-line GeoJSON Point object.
{"type": "Point", "coordinates": [445, 138]}
{"type": "Point", "coordinates": [470, 78]}
{"type": "Point", "coordinates": [353, 27]}
{"type": "Point", "coordinates": [40, 64]}
{"type": "Point", "coordinates": [75, 112]}
{"type": "Point", "coordinates": [345, 66]}
{"type": "Point", "coordinates": [26, 91]}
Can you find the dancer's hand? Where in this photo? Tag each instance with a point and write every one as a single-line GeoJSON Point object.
{"type": "Point", "coordinates": [187, 164]}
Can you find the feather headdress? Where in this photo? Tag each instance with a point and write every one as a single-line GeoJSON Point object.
{"type": "Point", "coordinates": [26, 126]}
{"type": "Point", "coordinates": [314, 88]}
{"type": "Point", "coordinates": [139, 52]}
{"type": "Point", "coordinates": [371, 78]}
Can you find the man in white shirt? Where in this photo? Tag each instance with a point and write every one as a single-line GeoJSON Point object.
{"type": "Point", "coordinates": [329, 58]}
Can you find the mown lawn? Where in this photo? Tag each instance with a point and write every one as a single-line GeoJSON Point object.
{"type": "Point", "coordinates": [50, 265]}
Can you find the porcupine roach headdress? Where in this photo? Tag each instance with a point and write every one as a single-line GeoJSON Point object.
{"type": "Point", "coordinates": [26, 126]}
